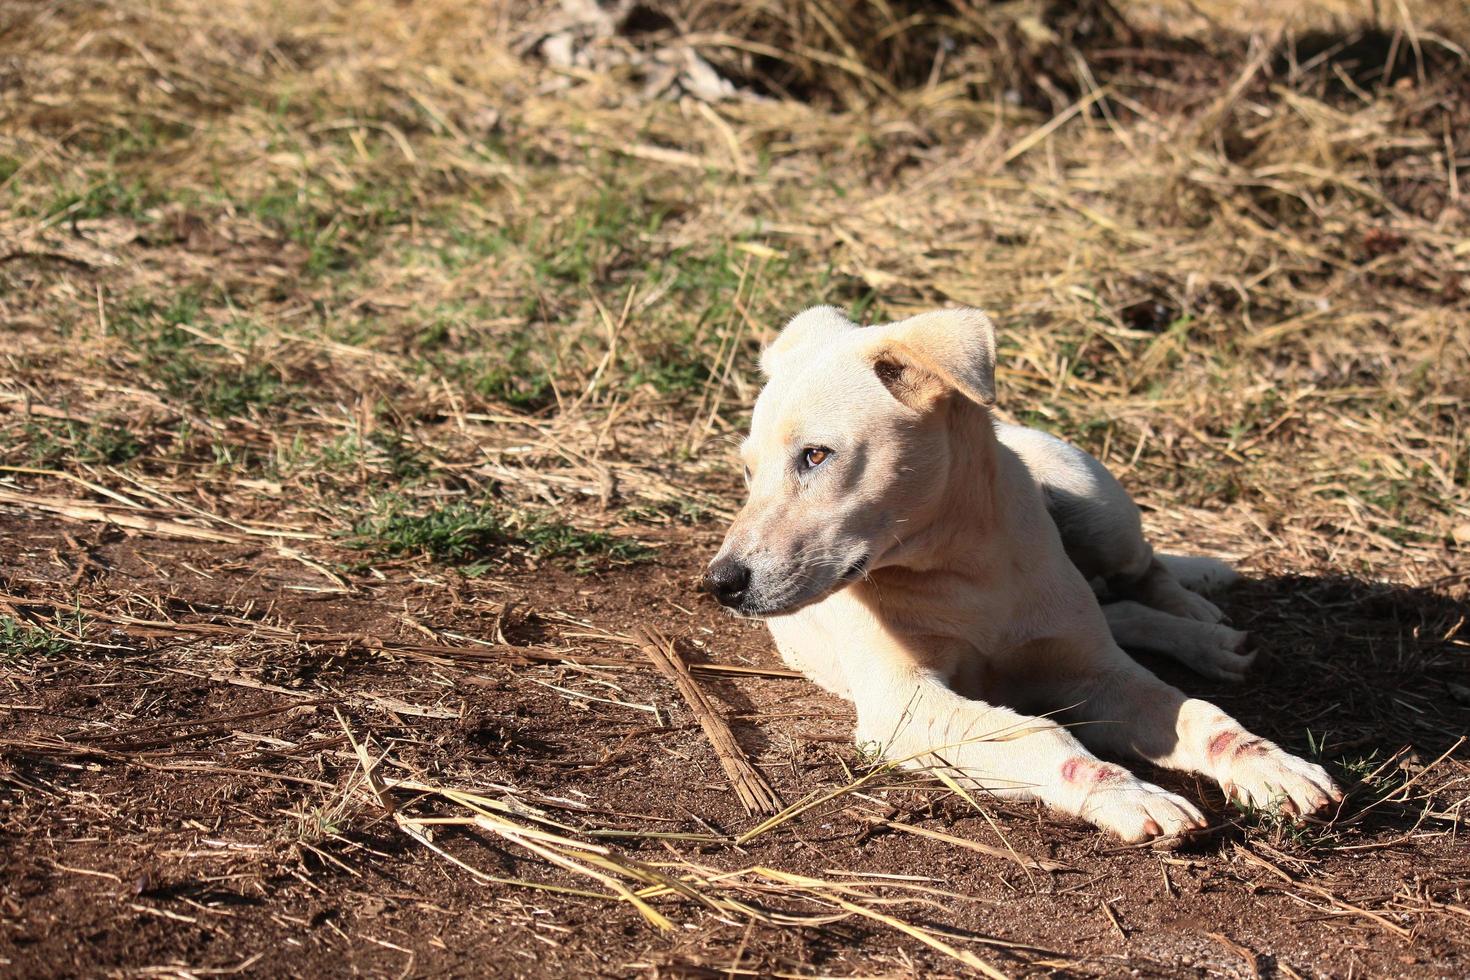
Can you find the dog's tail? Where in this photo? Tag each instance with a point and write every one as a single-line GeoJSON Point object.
{"type": "Point", "coordinates": [1200, 574]}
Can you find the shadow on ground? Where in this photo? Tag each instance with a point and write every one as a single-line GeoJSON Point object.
{"type": "Point", "coordinates": [1370, 678]}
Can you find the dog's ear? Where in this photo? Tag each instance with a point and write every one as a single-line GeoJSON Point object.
{"type": "Point", "coordinates": [807, 330]}
{"type": "Point", "coordinates": [923, 358]}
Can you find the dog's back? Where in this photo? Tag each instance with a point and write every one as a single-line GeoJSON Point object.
{"type": "Point", "coordinates": [1099, 523]}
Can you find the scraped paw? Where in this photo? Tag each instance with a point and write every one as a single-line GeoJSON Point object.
{"type": "Point", "coordinates": [1141, 811]}
{"type": "Point", "coordinates": [1263, 776]}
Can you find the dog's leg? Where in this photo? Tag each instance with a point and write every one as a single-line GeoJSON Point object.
{"type": "Point", "coordinates": [1209, 649]}
{"type": "Point", "coordinates": [1198, 573]}
{"type": "Point", "coordinates": [915, 719]}
{"type": "Point", "coordinates": [1158, 587]}
{"type": "Point", "coordinates": [1102, 530]}
{"type": "Point", "coordinates": [1126, 709]}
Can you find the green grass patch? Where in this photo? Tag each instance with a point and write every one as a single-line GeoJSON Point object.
{"type": "Point", "coordinates": [602, 234]}
{"type": "Point", "coordinates": [512, 371]}
{"type": "Point", "coordinates": [468, 533]}
{"type": "Point", "coordinates": [390, 458]}
{"type": "Point", "coordinates": [22, 641]}
{"type": "Point", "coordinates": [118, 177]}
{"type": "Point", "coordinates": [51, 442]}
{"type": "Point", "coordinates": [108, 196]}
{"type": "Point", "coordinates": [337, 229]}
{"type": "Point", "coordinates": [189, 367]}
{"type": "Point", "coordinates": [456, 533]}
{"type": "Point", "coordinates": [585, 549]}
{"type": "Point", "coordinates": [676, 512]}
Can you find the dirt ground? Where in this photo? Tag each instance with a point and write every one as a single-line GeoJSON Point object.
{"type": "Point", "coordinates": [369, 375]}
{"type": "Point", "coordinates": [184, 803]}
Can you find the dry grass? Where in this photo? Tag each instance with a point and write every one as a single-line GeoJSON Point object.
{"type": "Point", "coordinates": [298, 277]}
{"type": "Point", "coordinates": [332, 249]}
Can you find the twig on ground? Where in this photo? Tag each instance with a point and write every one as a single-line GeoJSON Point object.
{"type": "Point", "coordinates": [754, 792]}
{"type": "Point", "coordinates": [1252, 961]}
{"type": "Point", "coordinates": [1030, 863]}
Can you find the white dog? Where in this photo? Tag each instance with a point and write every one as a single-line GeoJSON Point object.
{"type": "Point", "coordinates": [934, 566]}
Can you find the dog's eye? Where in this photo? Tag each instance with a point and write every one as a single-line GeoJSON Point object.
{"type": "Point", "coordinates": [814, 456]}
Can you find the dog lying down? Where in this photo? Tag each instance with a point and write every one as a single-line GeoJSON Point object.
{"type": "Point", "coordinates": [937, 568]}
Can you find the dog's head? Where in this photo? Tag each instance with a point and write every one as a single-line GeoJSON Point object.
{"type": "Point", "coordinates": [848, 449]}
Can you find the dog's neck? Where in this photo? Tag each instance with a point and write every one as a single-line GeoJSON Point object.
{"type": "Point", "coordinates": [958, 535]}
{"type": "Point", "coordinates": [983, 530]}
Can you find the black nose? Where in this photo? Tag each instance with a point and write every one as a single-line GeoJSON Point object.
{"type": "Point", "coordinates": [727, 579]}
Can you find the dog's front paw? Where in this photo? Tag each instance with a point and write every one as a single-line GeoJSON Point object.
{"type": "Point", "coordinates": [1263, 776]}
{"type": "Point", "coordinates": [1139, 811]}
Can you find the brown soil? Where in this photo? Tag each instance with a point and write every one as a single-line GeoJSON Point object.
{"type": "Point", "coordinates": [180, 805]}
